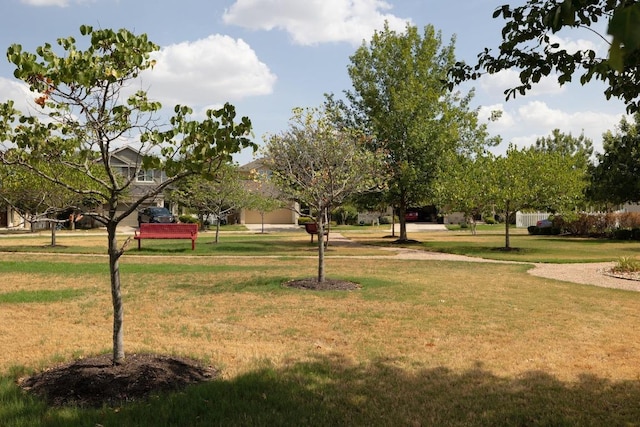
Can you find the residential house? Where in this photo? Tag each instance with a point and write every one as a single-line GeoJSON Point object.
{"type": "Point", "coordinates": [126, 160]}
{"type": "Point", "coordinates": [286, 215]}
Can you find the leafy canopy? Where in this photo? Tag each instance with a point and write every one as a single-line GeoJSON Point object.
{"type": "Point", "coordinates": [528, 46]}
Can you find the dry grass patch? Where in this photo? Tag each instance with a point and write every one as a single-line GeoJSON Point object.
{"type": "Point", "coordinates": [422, 315]}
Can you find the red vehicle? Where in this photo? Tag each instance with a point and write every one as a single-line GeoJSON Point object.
{"type": "Point", "coordinates": [411, 216]}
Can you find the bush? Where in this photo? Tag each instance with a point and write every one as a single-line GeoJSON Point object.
{"type": "Point", "coordinates": [627, 265]}
{"type": "Point", "coordinates": [344, 215]}
{"type": "Point", "coordinates": [622, 234]}
{"type": "Point", "coordinates": [387, 219]}
{"type": "Point", "coordinates": [490, 220]}
{"type": "Point", "coordinates": [188, 219]}
{"type": "Point", "coordinates": [305, 220]}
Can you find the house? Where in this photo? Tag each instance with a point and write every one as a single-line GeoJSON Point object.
{"type": "Point", "coordinates": [285, 215]}
{"type": "Point", "coordinates": [126, 160]}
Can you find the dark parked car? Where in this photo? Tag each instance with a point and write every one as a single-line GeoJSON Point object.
{"type": "Point", "coordinates": [544, 223]}
{"type": "Point", "coordinates": [155, 214]}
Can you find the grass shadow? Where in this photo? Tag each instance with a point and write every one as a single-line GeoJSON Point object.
{"type": "Point", "coordinates": [330, 390]}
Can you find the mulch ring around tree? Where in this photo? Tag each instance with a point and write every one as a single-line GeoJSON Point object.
{"type": "Point", "coordinates": [96, 381]}
{"type": "Point", "coordinates": [328, 285]}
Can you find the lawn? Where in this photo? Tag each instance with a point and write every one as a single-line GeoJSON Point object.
{"type": "Point", "coordinates": [489, 243]}
{"type": "Point", "coordinates": [422, 343]}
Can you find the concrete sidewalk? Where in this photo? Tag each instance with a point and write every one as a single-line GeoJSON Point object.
{"type": "Point", "coordinates": [411, 227]}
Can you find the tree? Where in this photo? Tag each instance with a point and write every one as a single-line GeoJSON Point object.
{"type": "Point", "coordinates": [398, 99]}
{"type": "Point", "coordinates": [615, 178]}
{"type": "Point", "coordinates": [36, 199]}
{"type": "Point", "coordinates": [578, 150]}
{"type": "Point", "coordinates": [264, 198]}
{"type": "Point", "coordinates": [87, 115]}
{"type": "Point", "coordinates": [463, 187]}
{"type": "Point", "coordinates": [532, 179]}
{"type": "Point", "coordinates": [320, 166]}
{"type": "Point", "coordinates": [527, 45]}
{"type": "Point", "coordinates": [212, 198]}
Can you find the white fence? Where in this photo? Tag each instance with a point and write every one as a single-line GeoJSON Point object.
{"type": "Point", "coordinates": [526, 219]}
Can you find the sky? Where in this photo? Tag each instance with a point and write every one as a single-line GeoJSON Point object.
{"type": "Point", "coordinates": [267, 57]}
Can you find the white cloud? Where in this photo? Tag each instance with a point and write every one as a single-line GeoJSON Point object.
{"type": "Point", "coordinates": [208, 71]}
{"type": "Point", "coordinates": [54, 3]}
{"type": "Point", "coordinates": [19, 92]}
{"type": "Point", "coordinates": [499, 82]}
{"type": "Point", "coordinates": [574, 45]}
{"type": "Point", "coordinates": [45, 3]}
{"type": "Point", "coordinates": [315, 21]}
{"type": "Point", "coordinates": [536, 119]}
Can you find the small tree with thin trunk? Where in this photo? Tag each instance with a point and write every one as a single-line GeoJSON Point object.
{"type": "Point", "coordinates": [215, 197]}
{"type": "Point", "coordinates": [320, 165]}
{"type": "Point", "coordinates": [88, 113]}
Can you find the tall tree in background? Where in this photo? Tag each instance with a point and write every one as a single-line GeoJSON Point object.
{"type": "Point", "coordinates": [398, 98]}
{"type": "Point", "coordinates": [320, 166]}
{"type": "Point", "coordinates": [528, 45]}
{"type": "Point", "coordinates": [615, 179]}
{"type": "Point", "coordinates": [88, 115]}
{"type": "Point", "coordinates": [578, 150]}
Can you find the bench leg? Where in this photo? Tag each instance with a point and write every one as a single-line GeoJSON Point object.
{"type": "Point", "coordinates": [193, 245]}
{"type": "Point", "coordinates": [139, 240]}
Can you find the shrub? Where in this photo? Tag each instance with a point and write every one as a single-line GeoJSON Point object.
{"type": "Point", "coordinates": [489, 220]}
{"type": "Point", "coordinates": [627, 265]}
{"type": "Point", "coordinates": [305, 220]}
{"type": "Point", "coordinates": [622, 234]}
{"type": "Point", "coordinates": [188, 219]}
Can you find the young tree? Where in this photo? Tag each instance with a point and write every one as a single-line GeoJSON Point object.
{"type": "Point", "coordinates": [82, 95]}
{"type": "Point", "coordinates": [215, 197]}
{"type": "Point", "coordinates": [264, 198]}
{"type": "Point", "coordinates": [462, 187]}
{"type": "Point", "coordinates": [398, 98]}
{"type": "Point", "coordinates": [532, 179]}
{"type": "Point", "coordinates": [320, 166]}
{"type": "Point", "coordinates": [38, 200]}
{"type": "Point", "coordinates": [527, 45]}
{"type": "Point", "coordinates": [615, 179]}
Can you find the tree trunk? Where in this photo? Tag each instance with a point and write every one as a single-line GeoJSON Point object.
{"type": "Point", "coordinates": [320, 222]}
{"type": "Point", "coordinates": [217, 229]}
{"type": "Point", "coordinates": [402, 210]}
{"type": "Point", "coordinates": [54, 227]}
{"type": "Point", "coordinates": [116, 295]}
{"type": "Point", "coordinates": [393, 222]}
{"type": "Point", "coordinates": [507, 243]}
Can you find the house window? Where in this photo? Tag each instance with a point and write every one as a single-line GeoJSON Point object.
{"type": "Point", "coordinates": [145, 176]}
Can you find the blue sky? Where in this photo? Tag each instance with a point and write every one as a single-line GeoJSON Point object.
{"type": "Point", "coordinates": [269, 56]}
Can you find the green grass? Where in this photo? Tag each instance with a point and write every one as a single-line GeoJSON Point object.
{"type": "Point", "coordinates": [490, 244]}
{"type": "Point", "coordinates": [40, 296]}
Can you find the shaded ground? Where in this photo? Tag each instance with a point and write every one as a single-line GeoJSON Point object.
{"type": "Point", "coordinates": [327, 285]}
{"type": "Point", "coordinates": [96, 381]}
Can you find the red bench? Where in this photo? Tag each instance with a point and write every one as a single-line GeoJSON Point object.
{"type": "Point", "coordinates": [312, 228]}
{"type": "Point", "coordinates": [167, 231]}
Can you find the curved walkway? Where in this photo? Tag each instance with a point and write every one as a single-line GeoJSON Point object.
{"type": "Point", "coordinates": [584, 273]}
